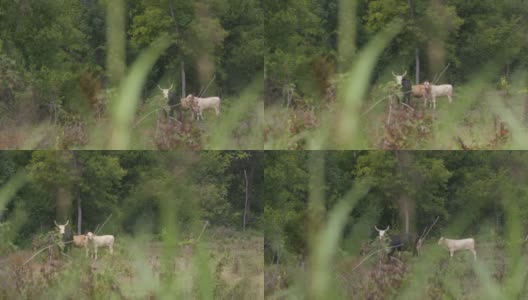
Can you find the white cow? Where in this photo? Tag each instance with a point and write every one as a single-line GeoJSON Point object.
{"type": "Point", "coordinates": [198, 105]}
{"type": "Point", "coordinates": [97, 241]}
{"type": "Point", "coordinates": [456, 245]}
{"type": "Point", "coordinates": [437, 91]}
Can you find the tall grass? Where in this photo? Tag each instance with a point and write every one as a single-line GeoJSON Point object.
{"type": "Point", "coordinates": [223, 264]}
{"type": "Point", "coordinates": [500, 272]}
{"type": "Point", "coordinates": [125, 125]}
{"type": "Point", "coordinates": [356, 117]}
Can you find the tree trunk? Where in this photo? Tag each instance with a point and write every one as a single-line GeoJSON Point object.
{"type": "Point", "coordinates": [416, 50]}
{"type": "Point", "coordinates": [182, 68]}
{"type": "Point", "coordinates": [526, 110]}
{"type": "Point", "coordinates": [249, 193]}
{"type": "Point", "coordinates": [115, 59]}
{"type": "Point", "coordinates": [171, 9]}
{"type": "Point", "coordinates": [405, 204]}
{"type": "Point", "coordinates": [347, 33]}
{"type": "Point", "coordinates": [77, 193]}
{"type": "Point", "coordinates": [63, 204]}
{"type": "Point", "coordinates": [246, 204]}
{"type": "Point", "coordinates": [417, 62]}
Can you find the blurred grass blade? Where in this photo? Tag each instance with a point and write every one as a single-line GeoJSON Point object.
{"type": "Point", "coordinates": [328, 242]}
{"type": "Point", "coordinates": [220, 136]}
{"type": "Point", "coordinates": [203, 272]}
{"type": "Point", "coordinates": [124, 105]}
{"type": "Point", "coordinates": [354, 88]}
{"type": "Point", "coordinates": [9, 190]}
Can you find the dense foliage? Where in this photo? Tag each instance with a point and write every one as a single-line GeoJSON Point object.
{"type": "Point", "coordinates": [406, 187]}
{"type": "Point", "coordinates": [329, 67]}
{"type": "Point", "coordinates": [134, 187]}
{"type": "Point", "coordinates": [61, 62]}
{"type": "Point", "coordinates": [304, 40]}
{"type": "Point", "coordinates": [321, 209]}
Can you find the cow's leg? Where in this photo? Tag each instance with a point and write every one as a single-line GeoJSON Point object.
{"type": "Point", "coordinates": [451, 253]}
{"type": "Point", "coordinates": [450, 99]}
{"type": "Point", "coordinates": [95, 253]}
{"type": "Point", "coordinates": [111, 249]}
{"type": "Point", "coordinates": [474, 253]}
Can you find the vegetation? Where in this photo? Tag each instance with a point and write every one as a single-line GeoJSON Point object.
{"type": "Point", "coordinates": [320, 217]}
{"type": "Point", "coordinates": [84, 74]}
{"type": "Point", "coordinates": [329, 82]}
{"type": "Point", "coordinates": [156, 204]}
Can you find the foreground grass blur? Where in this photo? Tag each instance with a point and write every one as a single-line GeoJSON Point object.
{"type": "Point", "coordinates": [333, 266]}
{"type": "Point", "coordinates": [124, 120]}
{"type": "Point", "coordinates": [480, 117]}
{"type": "Point", "coordinates": [352, 109]}
{"type": "Point", "coordinates": [139, 268]}
{"type": "Point", "coordinates": [223, 263]}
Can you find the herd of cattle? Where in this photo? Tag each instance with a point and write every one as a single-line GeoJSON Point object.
{"type": "Point", "coordinates": [427, 91]}
{"type": "Point", "coordinates": [196, 104]}
{"type": "Point", "coordinates": [87, 241]}
{"type": "Point", "coordinates": [411, 242]}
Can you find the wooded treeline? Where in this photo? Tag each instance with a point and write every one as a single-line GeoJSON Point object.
{"type": "Point", "coordinates": [309, 42]}
{"type": "Point", "coordinates": [54, 54]}
{"type": "Point", "coordinates": [470, 192]}
{"type": "Point", "coordinates": [137, 188]}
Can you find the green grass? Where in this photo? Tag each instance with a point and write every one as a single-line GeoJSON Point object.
{"type": "Point", "coordinates": [334, 269]}
{"type": "Point", "coordinates": [141, 268]}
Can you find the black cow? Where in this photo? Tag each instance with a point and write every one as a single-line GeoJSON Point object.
{"type": "Point", "coordinates": [67, 239]}
{"type": "Point", "coordinates": [66, 235]}
{"type": "Point", "coordinates": [403, 242]}
{"type": "Point", "coordinates": [173, 101]}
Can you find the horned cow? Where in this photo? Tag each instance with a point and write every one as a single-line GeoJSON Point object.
{"type": "Point", "coordinates": [381, 233]}
{"type": "Point", "coordinates": [403, 242]}
{"type": "Point", "coordinates": [66, 236]}
{"type": "Point", "coordinates": [400, 243]}
{"type": "Point", "coordinates": [172, 99]}
{"type": "Point", "coordinates": [408, 90]}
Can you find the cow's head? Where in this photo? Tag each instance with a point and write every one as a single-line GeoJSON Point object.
{"type": "Point", "coordinates": [381, 232]}
{"type": "Point", "coordinates": [427, 87]}
{"type": "Point", "coordinates": [187, 102]}
{"type": "Point", "coordinates": [399, 77]}
{"type": "Point", "coordinates": [165, 91]}
{"type": "Point", "coordinates": [89, 236]}
{"type": "Point", "coordinates": [61, 228]}
{"type": "Point", "coordinates": [441, 240]}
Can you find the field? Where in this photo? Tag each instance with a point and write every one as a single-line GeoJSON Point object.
{"type": "Point", "coordinates": [321, 240]}
{"type": "Point", "coordinates": [480, 117]}
{"type": "Point", "coordinates": [331, 75]}
{"type": "Point", "coordinates": [431, 275]}
{"type": "Point", "coordinates": [226, 264]}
